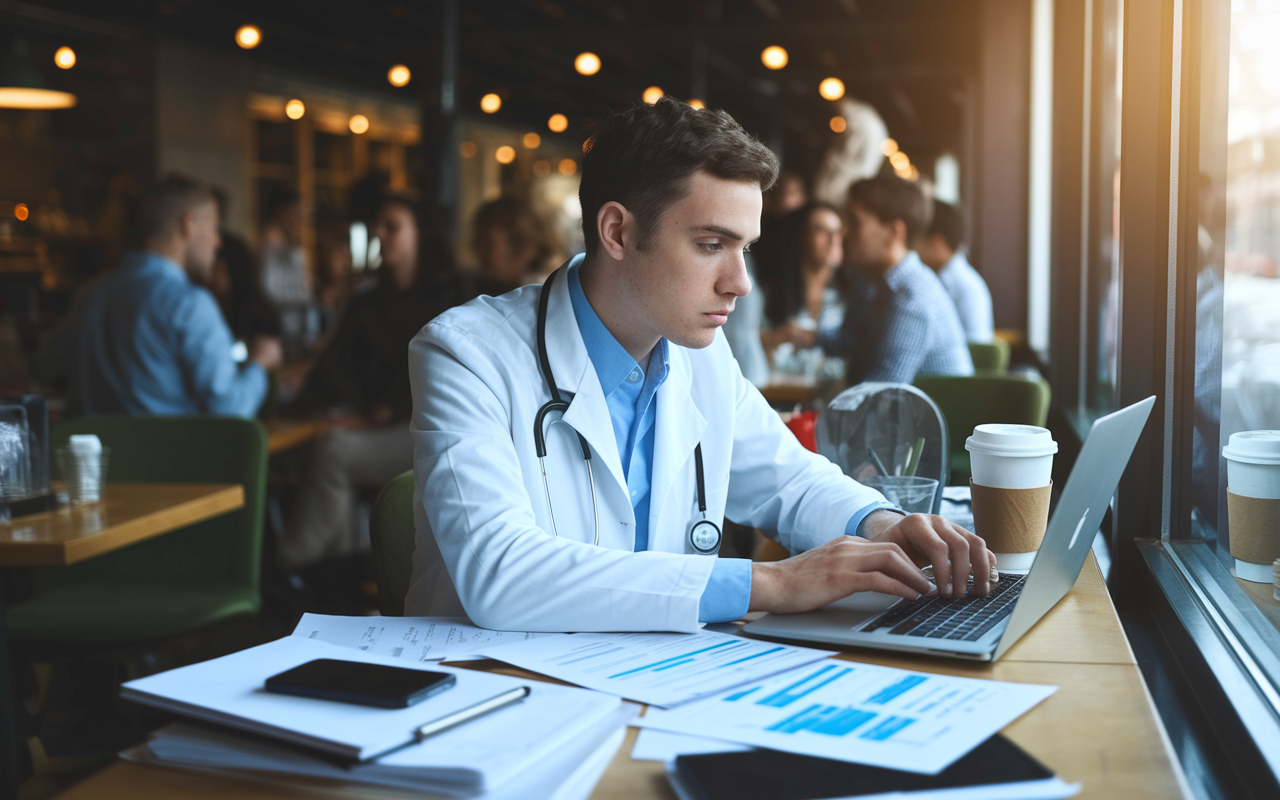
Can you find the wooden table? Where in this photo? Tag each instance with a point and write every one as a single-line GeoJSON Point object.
{"type": "Point", "coordinates": [127, 513]}
{"type": "Point", "coordinates": [283, 434]}
{"type": "Point", "coordinates": [1100, 728]}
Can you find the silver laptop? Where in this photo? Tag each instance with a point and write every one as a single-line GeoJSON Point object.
{"type": "Point", "coordinates": [976, 627]}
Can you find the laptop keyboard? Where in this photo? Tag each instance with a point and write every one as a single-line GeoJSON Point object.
{"type": "Point", "coordinates": [965, 619]}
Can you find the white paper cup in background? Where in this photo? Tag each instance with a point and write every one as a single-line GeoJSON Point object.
{"type": "Point", "coordinates": [1006, 456]}
{"type": "Point", "coordinates": [1253, 471]}
{"type": "Point", "coordinates": [1011, 456]}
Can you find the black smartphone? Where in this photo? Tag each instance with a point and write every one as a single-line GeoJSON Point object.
{"type": "Point", "coordinates": [360, 683]}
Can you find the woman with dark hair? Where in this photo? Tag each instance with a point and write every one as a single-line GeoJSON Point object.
{"type": "Point", "coordinates": [361, 380]}
{"type": "Point", "coordinates": [797, 267]}
{"type": "Point", "coordinates": [234, 283]}
{"type": "Point", "coordinates": [513, 243]}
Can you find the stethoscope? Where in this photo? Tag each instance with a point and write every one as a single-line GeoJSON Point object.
{"type": "Point", "coordinates": [704, 536]}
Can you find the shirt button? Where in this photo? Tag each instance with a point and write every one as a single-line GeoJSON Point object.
{"type": "Point", "coordinates": [634, 375]}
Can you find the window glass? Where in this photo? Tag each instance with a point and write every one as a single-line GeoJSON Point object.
{"type": "Point", "coordinates": [1237, 345]}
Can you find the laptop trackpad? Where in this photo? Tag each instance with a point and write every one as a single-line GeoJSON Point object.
{"type": "Point", "coordinates": [856, 609]}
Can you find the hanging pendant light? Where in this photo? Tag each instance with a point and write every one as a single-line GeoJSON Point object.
{"type": "Point", "coordinates": [22, 85]}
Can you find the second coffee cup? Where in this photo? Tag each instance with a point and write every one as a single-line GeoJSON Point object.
{"type": "Point", "coordinates": [1011, 467]}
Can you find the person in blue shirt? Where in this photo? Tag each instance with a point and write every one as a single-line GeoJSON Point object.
{"type": "Point", "coordinates": [148, 337]}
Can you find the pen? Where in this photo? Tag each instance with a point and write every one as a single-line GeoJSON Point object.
{"type": "Point", "coordinates": [875, 459]}
{"type": "Point", "coordinates": [458, 717]}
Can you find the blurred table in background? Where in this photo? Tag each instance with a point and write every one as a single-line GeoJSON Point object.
{"type": "Point", "coordinates": [284, 434]}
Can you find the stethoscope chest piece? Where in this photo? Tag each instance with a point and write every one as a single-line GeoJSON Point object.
{"type": "Point", "coordinates": [705, 537]}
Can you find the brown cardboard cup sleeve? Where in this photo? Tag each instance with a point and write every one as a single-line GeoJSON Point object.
{"type": "Point", "coordinates": [1255, 528]}
{"type": "Point", "coordinates": [1010, 520]}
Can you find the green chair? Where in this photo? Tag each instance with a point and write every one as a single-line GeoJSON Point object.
{"type": "Point", "coordinates": [990, 358]}
{"type": "Point", "coordinates": [175, 583]}
{"type": "Point", "coordinates": [968, 401]}
{"type": "Point", "coordinates": [391, 532]}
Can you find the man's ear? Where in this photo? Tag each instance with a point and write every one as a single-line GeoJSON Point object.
{"type": "Point", "coordinates": [187, 224]}
{"type": "Point", "coordinates": [900, 233]}
{"type": "Point", "coordinates": [614, 225]}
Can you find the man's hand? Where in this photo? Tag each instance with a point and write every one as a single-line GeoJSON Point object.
{"type": "Point", "coordinates": [266, 351]}
{"type": "Point", "coordinates": [837, 569]}
{"type": "Point", "coordinates": [954, 552]}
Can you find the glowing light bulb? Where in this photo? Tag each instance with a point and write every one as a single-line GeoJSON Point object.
{"type": "Point", "coordinates": [531, 140]}
{"type": "Point", "coordinates": [558, 123]}
{"type": "Point", "coordinates": [294, 109]}
{"type": "Point", "coordinates": [899, 160]}
{"type": "Point", "coordinates": [467, 149]}
{"type": "Point", "coordinates": [505, 154]}
{"type": "Point", "coordinates": [889, 147]}
{"type": "Point", "coordinates": [838, 124]}
{"type": "Point", "coordinates": [65, 58]}
{"type": "Point", "coordinates": [399, 75]}
{"type": "Point", "coordinates": [696, 103]}
{"type": "Point", "coordinates": [248, 36]}
{"type": "Point", "coordinates": [21, 212]}
{"type": "Point", "coordinates": [831, 88]}
{"type": "Point", "coordinates": [568, 166]}
{"type": "Point", "coordinates": [587, 63]}
{"type": "Point", "coordinates": [653, 94]}
{"type": "Point", "coordinates": [774, 57]}
{"type": "Point", "coordinates": [490, 103]}
{"type": "Point", "coordinates": [359, 123]}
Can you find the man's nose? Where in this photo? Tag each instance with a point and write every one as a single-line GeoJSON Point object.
{"type": "Point", "coordinates": [738, 281]}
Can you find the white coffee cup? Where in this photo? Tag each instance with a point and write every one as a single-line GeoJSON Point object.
{"type": "Point", "coordinates": [1011, 456]}
{"type": "Point", "coordinates": [1253, 470]}
{"type": "Point", "coordinates": [1006, 456]}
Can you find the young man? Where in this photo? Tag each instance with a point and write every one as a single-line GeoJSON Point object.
{"type": "Point", "coordinates": [148, 337]}
{"type": "Point", "coordinates": [940, 252]}
{"type": "Point", "coordinates": [899, 321]}
{"type": "Point", "coordinates": [645, 384]}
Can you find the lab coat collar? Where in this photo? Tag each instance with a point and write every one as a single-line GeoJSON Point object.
{"type": "Point", "coordinates": [588, 412]}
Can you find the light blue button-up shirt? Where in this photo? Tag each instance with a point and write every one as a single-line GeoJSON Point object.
{"type": "Point", "coordinates": [143, 339]}
{"type": "Point", "coordinates": [631, 394]}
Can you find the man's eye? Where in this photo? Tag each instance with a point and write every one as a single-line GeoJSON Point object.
{"type": "Point", "coordinates": [711, 247]}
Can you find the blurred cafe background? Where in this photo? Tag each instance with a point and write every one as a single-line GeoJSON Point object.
{"type": "Point", "coordinates": [1105, 183]}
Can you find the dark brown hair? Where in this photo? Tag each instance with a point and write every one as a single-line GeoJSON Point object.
{"type": "Point", "coordinates": [521, 222]}
{"type": "Point", "coordinates": [889, 197]}
{"type": "Point", "coordinates": [644, 157]}
{"type": "Point", "coordinates": [948, 224]}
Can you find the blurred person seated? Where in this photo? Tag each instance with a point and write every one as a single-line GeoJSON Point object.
{"type": "Point", "coordinates": [234, 282]}
{"type": "Point", "coordinates": [334, 281]}
{"type": "Point", "coordinates": [284, 262]}
{"type": "Point", "coordinates": [899, 321]}
{"type": "Point", "coordinates": [148, 337]}
{"type": "Point", "coordinates": [940, 251]}
{"type": "Point", "coordinates": [801, 304]}
{"type": "Point", "coordinates": [513, 243]}
{"type": "Point", "coordinates": [787, 195]}
{"type": "Point", "coordinates": [361, 380]}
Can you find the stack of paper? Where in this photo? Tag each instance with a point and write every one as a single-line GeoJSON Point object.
{"type": "Point", "coordinates": [476, 757]}
{"type": "Point", "coordinates": [415, 638]}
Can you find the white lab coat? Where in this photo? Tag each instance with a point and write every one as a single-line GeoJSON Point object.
{"type": "Point", "coordinates": [484, 541]}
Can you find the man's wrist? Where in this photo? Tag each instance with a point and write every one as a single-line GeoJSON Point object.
{"type": "Point", "coordinates": [877, 522]}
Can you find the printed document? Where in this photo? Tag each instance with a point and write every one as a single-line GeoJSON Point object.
{"type": "Point", "coordinates": [661, 669]}
{"type": "Point", "coordinates": [416, 638]}
{"type": "Point", "coordinates": [861, 713]}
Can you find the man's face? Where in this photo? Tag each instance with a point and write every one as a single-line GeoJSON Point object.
{"type": "Point", "coordinates": [200, 227]}
{"type": "Point", "coordinates": [934, 251]}
{"type": "Point", "coordinates": [687, 280]}
{"type": "Point", "coordinates": [825, 238]}
{"type": "Point", "coordinates": [869, 243]}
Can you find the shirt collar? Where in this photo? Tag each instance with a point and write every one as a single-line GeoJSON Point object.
{"type": "Point", "coordinates": [611, 360]}
{"type": "Point", "coordinates": [152, 260]}
{"type": "Point", "coordinates": [956, 261]}
{"type": "Point", "coordinates": [900, 275]}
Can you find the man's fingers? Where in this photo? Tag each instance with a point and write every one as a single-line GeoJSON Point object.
{"type": "Point", "coordinates": [890, 560]}
{"type": "Point", "coordinates": [880, 582]}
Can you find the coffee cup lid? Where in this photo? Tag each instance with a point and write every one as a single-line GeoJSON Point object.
{"type": "Point", "coordinates": [1011, 440]}
{"type": "Point", "coordinates": [1254, 447]}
